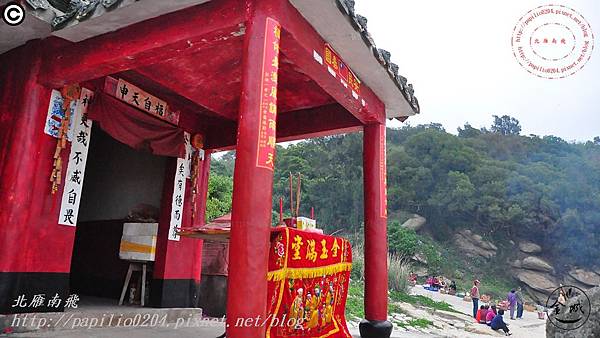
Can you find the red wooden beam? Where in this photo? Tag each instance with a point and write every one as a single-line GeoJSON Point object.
{"type": "Point", "coordinates": [299, 41]}
{"type": "Point", "coordinates": [295, 125]}
{"type": "Point", "coordinates": [147, 42]}
{"type": "Point", "coordinates": [322, 121]}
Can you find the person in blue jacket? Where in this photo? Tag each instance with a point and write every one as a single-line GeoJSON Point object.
{"type": "Point", "coordinates": [499, 324]}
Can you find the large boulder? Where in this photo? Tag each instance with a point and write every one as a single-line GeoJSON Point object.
{"type": "Point", "coordinates": [474, 245]}
{"type": "Point", "coordinates": [415, 223]}
{"type": "Point", "coordinates": [534, 295]}
{"type": "Point", "coordinates": [591, 328]}
{"type": "Point", "coordinates": [568, 280]}
{"type": "Point", "coordinates": [530, 247]}
{"type": "Point", "coordinates": [421, 272]}
{"type": "Point", "coordinates": [419, 258]}
{"type": "Point", "coordinates": [537, 264]}
{"type": "Point", "coordinates": [588, 278]}
{"type": "Point", "coordinates": [539, 281]}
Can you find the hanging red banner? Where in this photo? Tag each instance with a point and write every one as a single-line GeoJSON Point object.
{"type": "Point", "coordinates": [268, 104]}
{"type": "Point", "coordinates": [307, 284]}
{"type": "Point", "coordinates": [336, 65]}
{"type": "Point", "coordinates": [382, 172]}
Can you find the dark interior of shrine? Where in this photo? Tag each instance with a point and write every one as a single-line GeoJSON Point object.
{"type": "Point", "coordinates": [118, 179]}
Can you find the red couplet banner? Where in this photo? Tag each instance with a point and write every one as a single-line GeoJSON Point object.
{"type": "Point", "coordinates": [307, 284]}
{"type": "Point", "coordinates": [268, 103]}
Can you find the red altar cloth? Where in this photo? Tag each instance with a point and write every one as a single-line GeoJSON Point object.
{"type": "Point", "coordinates": [307, 284]}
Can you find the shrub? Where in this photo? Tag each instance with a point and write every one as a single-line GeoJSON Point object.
{"type": "Point", "coordinates": [358, 262]}
{"type": "Point", "coordinates": [402, 241]}
{"type": "Point", "coordinates": [398, 270]}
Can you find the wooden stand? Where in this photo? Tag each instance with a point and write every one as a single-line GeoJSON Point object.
{"type": "Point", "coordinates": [135, 266]}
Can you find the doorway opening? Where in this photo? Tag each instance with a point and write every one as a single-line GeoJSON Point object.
{"type": "Point", "coordinates": [121, 185]}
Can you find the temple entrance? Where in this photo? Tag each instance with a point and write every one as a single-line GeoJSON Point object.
{"type": "Point", "coordinates": [121, 185]}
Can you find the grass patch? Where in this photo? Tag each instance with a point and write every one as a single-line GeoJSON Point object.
{"type": "Point", "coordinates": [418, 323]}
{"type": "Point", "coordinates": [355, 308]}
{"type": "Point", "coordinates": [394, 308]}
{"type": "Point", "coordinates": [355, 301]}
{"type": "Point", "coordinates": [422, 301]}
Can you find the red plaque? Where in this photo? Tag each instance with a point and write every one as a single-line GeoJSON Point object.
{"type": "Point", "coordinates": [336, 65]}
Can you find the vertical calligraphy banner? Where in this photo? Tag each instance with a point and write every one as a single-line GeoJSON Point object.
{"type": "Point", "coordinates": [383, 171]}
{"type": "Point", "coordinates": [181, 173]}
{"type": "Point", "coordinates": [82, 132]}
{"type": "Point", "coordinates": [268, 103]}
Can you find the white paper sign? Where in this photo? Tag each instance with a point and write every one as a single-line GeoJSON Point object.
{"type": "Point", "coordinates": [82, 128]}
{"type": "Point", "coordinates": [181, 173]}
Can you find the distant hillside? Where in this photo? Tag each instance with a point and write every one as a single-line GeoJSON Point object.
{"type": "Point", "coordinates": [495, 182]}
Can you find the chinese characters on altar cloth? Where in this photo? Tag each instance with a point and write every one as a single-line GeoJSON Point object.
{"type": "Point", "coordinates": [307, 284]}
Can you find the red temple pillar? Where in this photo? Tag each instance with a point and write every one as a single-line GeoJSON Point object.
{"type": "Point", "coordinates": [375, 323]}
{"type": "Point", "coordinates": [253, 177]}
{"type": "Point", "coordinates": [177, 265]}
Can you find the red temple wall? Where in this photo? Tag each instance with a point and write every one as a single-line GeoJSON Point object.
{"type": "Point", "coordinates": [35, 252]}
{"type": "Point", "coordinates": [30, 238]}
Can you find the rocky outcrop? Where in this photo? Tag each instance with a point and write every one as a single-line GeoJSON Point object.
{"type": "Point", "coordinates": [530, 247]}
{"type": "Point", "coordinates": [539, 281]}
{"type": "Point", "coordinates": [591, 327]}
{"type": "Point", "coordinates": [421, 272]}
{"type": "Point", "coordinates": [415, 223]}
{"type": "Point", "coordinates": [516, 264]}
{"type": "Point", "coordinates": [537, 264]}
{"type": "Point", "coordinates": [568, 280]}
{"type": "Point", "coordinates": [538, 285]}
{"type": "Point", "coordinates": [582, 276]}
{"type": "Point", "coordinates": [474, 245]}
{"type": "Point", "coordinates": [419, 258]}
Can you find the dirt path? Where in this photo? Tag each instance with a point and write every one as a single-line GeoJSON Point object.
{"type": "Point", "coordinates": [528, 327]}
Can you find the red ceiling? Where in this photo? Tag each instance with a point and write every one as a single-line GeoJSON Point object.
{"type": "Point", "coordinates": [211, 78]}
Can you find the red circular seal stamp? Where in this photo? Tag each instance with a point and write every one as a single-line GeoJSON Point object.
{"type": "Point", "coordinates": [552, 41]}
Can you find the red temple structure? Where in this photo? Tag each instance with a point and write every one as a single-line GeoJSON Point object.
{"type": "Point", "coordinates": [221, 74]}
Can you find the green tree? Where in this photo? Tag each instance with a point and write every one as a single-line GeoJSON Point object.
{"type": "Point", "coordinates": [506, 125]}
{"type": "Point", "coordinates": [218, 202]}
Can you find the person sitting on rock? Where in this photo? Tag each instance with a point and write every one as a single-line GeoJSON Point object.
{"type": "Point", "coordinates": [484, 313]}
{"type": "Point", "coordinates": [453, 286]}
{"type": "Point", "coordinates": [489, 316]}
{"type": "Point", "coordinates": [499, 324]}
{"type": "Point", "coordinates": [479, 314]}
